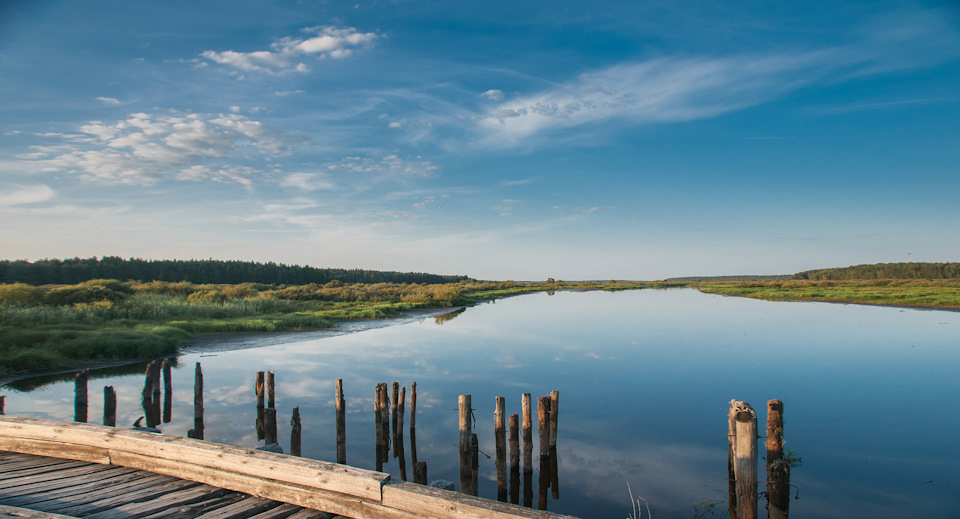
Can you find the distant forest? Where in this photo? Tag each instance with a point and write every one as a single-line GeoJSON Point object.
{"type": "Point", "coordinates": [885, 271]}
{"type": "Point", "coordinates": [77, 270]}
{"type": "Point", "coordinates": [744, 277]}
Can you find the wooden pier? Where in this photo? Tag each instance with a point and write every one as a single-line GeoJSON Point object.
{"type": "Point", "coordinates": [251, 483]}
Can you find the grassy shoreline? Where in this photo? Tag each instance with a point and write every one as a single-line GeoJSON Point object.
{"type": "Point", "coordinates": [912, 293]}
{"type": "Point", "coordinates": [56, 327]}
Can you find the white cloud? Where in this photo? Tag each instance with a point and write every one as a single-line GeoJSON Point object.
{"type": "Point", "coordinates": [390, 165]}
{"type": "Point", "coordinates": [21, 195]}
{"type": "Point", "coordinates": [285, 54]}
{"type": "Point", "coordinates": [145, 148]}
{"type": "Point", "coordinates": [674, 89]}
{"type": "Point", "coordinates": [493, 95]}
{"type": "Point", "coordinates": [109, 100]}
{"type": "Point", "coordinates": [308, 181]}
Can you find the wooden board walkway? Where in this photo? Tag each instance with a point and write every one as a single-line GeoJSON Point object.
{"type": "Point", "coordinates": [93, 451]}
{"type": "Point", "coordinates": [31, 484]}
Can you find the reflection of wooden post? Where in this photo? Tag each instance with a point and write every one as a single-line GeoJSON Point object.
{"type": "Point", "coordinates": [109, 406]}
{"type": "Point", "coordinates": [378, 424]}
{"type": "Point", "coordinates": [745, 462]}
{"type": "Point", "coordinates": [80, 397]}
{"type": "Point", "coordinates": [554, 409]}
{"type": "Point", "coordinates": [527, 450]}
{"type": "Point", "coordinates": [270, 425]}
{"type": "Point", "coordinates": [554, 473]}
{"type": "Point", "coordinates": [778, 471]}
{"type": "Point", "coordinates": [420, 472]}
{"type": "Point", "coordinates": [398, 443]}
{"type": "Point", "coordinates": [500, 438]}
{"type": "Point", "coordinates": [271, 390]}
{"type": "Point", "coordinates": [295, 429]}
{"type": "Point", "coordinates": [466, 444]}
{"type": "Point", "coordinates": [514, 459]}
{"type": "Point", "coordinates": [197, 431]}
{"type": "Point", "coordinates": [167, 390]}
{"type": "Point", "coordinates": [260, 396]}
{"type": "Point", "coordinates": [413, 428]}
{"type": "Point", "coordinates": [341, 424]}
{"type": "Point", "coordinates": [155, 368]}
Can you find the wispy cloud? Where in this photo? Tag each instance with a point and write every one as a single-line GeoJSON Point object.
{"type": "Point", "coordinates": [146, 148]}
{"type": "Point", "coordinates": [109, 100]}
{"type": "Point", "coordinates": [23, 195]}
{"type": "Point", "coordinates": [286, 53]}
{"type": "Point", "coordinates": [674, 89]}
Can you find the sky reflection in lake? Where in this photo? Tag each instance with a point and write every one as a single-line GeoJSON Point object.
{"type": "Point", "coordinates": [645, 378]}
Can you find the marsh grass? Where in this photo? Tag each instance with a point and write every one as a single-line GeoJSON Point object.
{"type": "Point", "coordinates": [50, 327]}
{"type": "Point", "coordinates": [941, 294]}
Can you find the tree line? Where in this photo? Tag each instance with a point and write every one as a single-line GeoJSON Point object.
{"type": "Point", "coordinates": [885, 271]}
{"type": "Point", "coordinates": [77, 270]}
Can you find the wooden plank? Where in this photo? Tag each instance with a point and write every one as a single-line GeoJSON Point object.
{"type": "Point", "coordinates": [283, 511]}
{"type": "Point", "coordinates": [241, 509]}
{"type": "Point", "coordinates": [306, 513]}
{"type": "Point", "coordinates": [12, 512]}
{"type": "Point", "coordinates": [98, 442]}
{"type": "Point", "coordinates": [121, 491]}
{"type": "Point", "coordinates": [446, 504]}
{"type": "Point", "coordinates": [173, 499]}
{"type": "Point", "coordinates": [144, 493]}
{"type": "Point", "coordinates": [66, 477]}
{"type": "Point", "coordinates": [65, 489]}
{"type": "Point", "coordinates": [315, 498]}
{"type": "Point", "coordinates": [32, 467]}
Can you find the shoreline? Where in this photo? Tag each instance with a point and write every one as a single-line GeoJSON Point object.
{"type": "Point", "coordinates": [837, 301]}
{"type": "Point", "coordinates": [215, 342]}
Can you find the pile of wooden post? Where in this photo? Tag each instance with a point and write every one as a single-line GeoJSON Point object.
{"type": "Point", "coordinates": [547, 412]}
{"type": "Point", "coordinates": [742, 462]}
{"type": "Point", "coordinates": [389, 418]}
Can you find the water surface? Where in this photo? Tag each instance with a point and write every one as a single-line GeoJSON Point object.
{"type": "Point", "coordinates": [645, 377]}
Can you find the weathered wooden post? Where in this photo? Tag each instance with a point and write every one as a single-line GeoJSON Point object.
{"type": "Point", "coordinates": [197, 431]}
{"type": "Point", "coordinates": [778, 470]}
{"type": "Point", "coordinates": [500, 437]}
{"type": "Point", "coordinates": [270, 425]}
{"type": "Point", "coordinates": [466, 444]}
{"type": "Point", "coordinates": [378, 425]}
{"type": "Point", "coordinates": [420, 472]}
{"type": "Point", "coordinates": [3, 402]}
{"type": "Point", "coordinates": [527, 425]}
{"type": "Point", "coordinates": [413, 428]}
{"type": "Point", "coordinates": [167, 390]}
{"type": "Point", "coordinates": [745, 463]}
{"type": "Point", "coordinates": [393, 417]}
{"type": "Point", "coordinates": [155, 369]}
{"type": "Point", "coordinates": [385, 421]}
{"type": "Point", "coordinates": [398, 442]}
{"type": "Point", "coordinates": [295, 430]}
{"type": "Point", "coordinates": [514, 459]}
{"type": "Point", "coordinates": [80, 397]}
{"type": "Point", "coordinates": [732, 459]}
{"type": "Point", "coordinates": [109, 406]}
{"type": "Point", "coordinates": [543, 420]}
{"type": "Point", "coordinates": [341, 424]}
{"type": "Point", "coordinates": [259, 388]}
{"type": "Point", "coordinates": [271, 390]}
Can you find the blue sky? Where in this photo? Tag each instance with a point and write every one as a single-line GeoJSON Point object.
{"type": "Point", "coordinates": [502, 140]}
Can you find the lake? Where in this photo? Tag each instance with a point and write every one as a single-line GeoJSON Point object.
{"type": "Point", "coordinates": [645, 378]}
